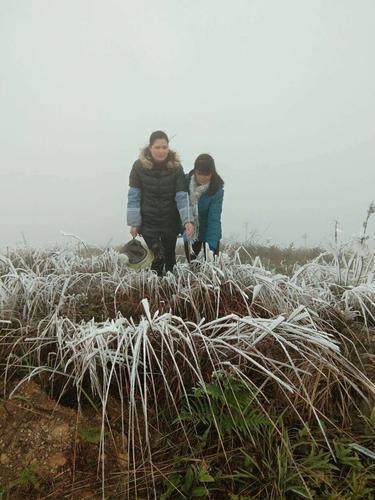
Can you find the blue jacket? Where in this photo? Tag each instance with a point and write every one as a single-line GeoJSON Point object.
{"type": "Point", "coordinates": [210, 206]}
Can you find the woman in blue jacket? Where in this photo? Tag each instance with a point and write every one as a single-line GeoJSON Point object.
{"type": "Point", "coordinates": [206, 192]}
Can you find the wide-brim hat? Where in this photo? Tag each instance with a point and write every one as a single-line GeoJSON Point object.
{"type": "Point", "coordinates": [139, 255]}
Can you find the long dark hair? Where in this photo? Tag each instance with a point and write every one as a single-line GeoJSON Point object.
{"type": "Point", "coordinates": [205, 165]}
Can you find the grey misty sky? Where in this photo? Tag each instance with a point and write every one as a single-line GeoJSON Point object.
{"type": "Point", "coordinates": [282, 94]}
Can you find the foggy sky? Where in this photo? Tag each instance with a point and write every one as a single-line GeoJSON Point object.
{"type": "Point", "coordinates": [282, 94]}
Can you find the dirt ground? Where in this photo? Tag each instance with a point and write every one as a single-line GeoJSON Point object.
{"type": "Point", "coordinates": [49, 451]}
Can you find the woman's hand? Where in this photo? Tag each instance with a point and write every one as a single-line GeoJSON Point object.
{"type": "Point", "coordinates": [134, 231]}
{"type": "Point", "coordinates": [189, 227]}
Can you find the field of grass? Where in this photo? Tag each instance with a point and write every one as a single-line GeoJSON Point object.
{"type": "Point", "coordinates": [251, 376]}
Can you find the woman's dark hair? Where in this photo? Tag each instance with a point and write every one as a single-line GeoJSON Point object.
{"type": "Point", "coordinates": [158, 134]}
{"type": "Point", "coordinates": [205, 165]}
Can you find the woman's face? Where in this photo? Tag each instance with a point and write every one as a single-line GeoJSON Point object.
{"type": "Point", "coordinates": [202, 179]}
{"type": "Point", "coordinates": [159, 150]}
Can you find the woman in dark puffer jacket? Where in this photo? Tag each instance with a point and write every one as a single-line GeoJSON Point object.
{"type": "Point", "coordinates": [158, 201]}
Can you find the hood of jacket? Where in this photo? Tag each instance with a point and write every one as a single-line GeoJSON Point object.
{"type": "Point", "coordinates": [145, 158]}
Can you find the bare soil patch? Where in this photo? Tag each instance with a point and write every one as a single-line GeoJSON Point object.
{"type": "Point", "coordinates": [48, 450]}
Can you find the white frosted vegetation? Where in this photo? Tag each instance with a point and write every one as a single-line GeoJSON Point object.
{"type": "Point", "coordinates": [93, 324]}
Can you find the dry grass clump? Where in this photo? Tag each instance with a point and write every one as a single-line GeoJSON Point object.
{"type": "Point", "coordinates": [279, 259]}
{"type": "Point", "coordinates": [88, 327]}
{"type": "Point", "coordinates": [39, 289]}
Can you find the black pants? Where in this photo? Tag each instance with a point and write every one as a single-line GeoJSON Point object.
{"type": "Point", "coordinates": [163, 246]}
{"type": "Point", "coordinates": [197, 247]}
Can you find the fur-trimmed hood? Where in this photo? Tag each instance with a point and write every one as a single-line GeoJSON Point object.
{"type": "Point", "coordinates": [173, 160]}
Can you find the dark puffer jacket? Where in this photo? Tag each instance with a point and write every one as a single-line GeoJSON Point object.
{"type": "Point", "coordinates": [157, 197]}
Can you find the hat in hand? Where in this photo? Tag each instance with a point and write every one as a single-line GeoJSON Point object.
{"type": "Point", "coordinates": [140, 257]}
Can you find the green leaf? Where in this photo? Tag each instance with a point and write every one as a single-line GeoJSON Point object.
{"type": "Point", "coordinates": [172, 483]}
{"type": "Point", "coordinates": [189, 479]}
{"type": "Point", "coordinates": [199, 491]}
{"type": "Point", "coordinates": [347, 457]}
{"type": "Point", "coordinates": [203, 438]}
{"type": "Point", "coordinates": [205, 477]}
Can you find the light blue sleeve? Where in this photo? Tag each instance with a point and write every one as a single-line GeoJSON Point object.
{"type": "Point", "coordinates": [134, 217]}
{"type": "Point", "coordinates": [183, 206]}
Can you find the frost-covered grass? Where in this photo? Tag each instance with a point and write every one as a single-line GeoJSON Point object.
{"type": "Point", "coordinates": [299, 343]}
